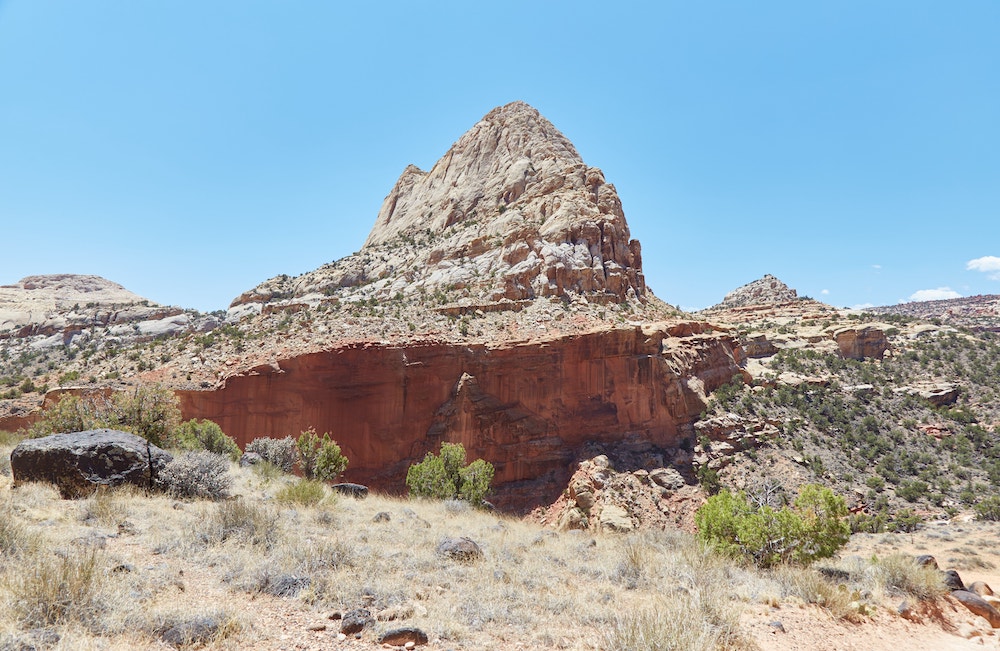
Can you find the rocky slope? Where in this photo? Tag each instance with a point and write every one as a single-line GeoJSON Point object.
{"type": "Point", "coordinates": [980, 312]}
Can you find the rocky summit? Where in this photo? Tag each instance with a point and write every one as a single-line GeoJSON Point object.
{"type": "Point", "coordinates": [511, 212]}
{"type": "Point", "coordinates": [763, 291]}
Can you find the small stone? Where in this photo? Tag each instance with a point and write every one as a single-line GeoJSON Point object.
{"type": "Point", "coordinates": [354, 621]}
{"type": "Point", "coordinates": [777, 626]}
{"type": "Point", "coordinates": [382, 516]}
{"type": "Point", "coordinates": [341, 637]}
{"type": "Point", "coordinates": [953, 581]}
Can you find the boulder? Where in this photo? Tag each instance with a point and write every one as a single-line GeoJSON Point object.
{"type": "Point", "coordinates": [460, 549]}
{"type": "Point", "coordinates": [952, 580]}
{"type": "Point", "coordinates": [978, 605]}
{"type": "Point", "coordinates": [77, 463]}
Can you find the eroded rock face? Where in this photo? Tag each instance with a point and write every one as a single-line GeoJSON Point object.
{"type": "Point", "coordinates": [77, 463]}
{"type": "Point", "coordinates": [863, 342]}
{"type": "Point", "coordinates": [525, 407]}
{"type": "Point", "coordinates": [510, 212]}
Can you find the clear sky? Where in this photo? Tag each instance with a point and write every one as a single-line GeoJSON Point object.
{"type": "Point", "coordinates": [190, 150]}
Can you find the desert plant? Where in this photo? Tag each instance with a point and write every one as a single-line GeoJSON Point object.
{"type": "Point", "coordinates": [279, 452]}
{"type": "Point", "coordinates": [53, 590]}
{"type": "Point", "coordinates": [447, 477]}
{"type": "Point", "coordinates": [988, 509]}
{"type": "Point", "coordinates": [206, 435]}
{"type": "Point", "coordinates": [814, 527]}
{"type": "Point", "coordinates": [246, 522]}
{"type": "Point", "coordinates": [151, 412]}
{"type": "Point", "coordinates": [306, 492]}
{"type": "Point", "coordinates": [198, 474]}
{"type": "Point", "coordinates": [901, 574]}
{"type": "Point", "coordinates": [70, 414]}
{"type": "Point", "coordinates": [319, 457]}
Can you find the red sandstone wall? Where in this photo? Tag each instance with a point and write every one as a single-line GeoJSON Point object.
{"type": "Point", "coordinates": [526, 408]}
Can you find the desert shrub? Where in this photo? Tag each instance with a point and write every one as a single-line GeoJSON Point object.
{"type": "Point", "coordinates": [814, 527]}
{"type": "Point", "coordinates": [245, 522]}
{"type": "Point", "coordinates": [319, 457]}
{"type": "Point", "coordinates": [51, 590]}
{"type": "Point", "coordinates": [988, 509]}
{"type": "Point", "coordinates": [812, 587]}
{"type": "Point", "coordinates": [307, 492]}
{"type": "Point", "coordinates": [15, 539]}
{"type": "Point", "coordinates": [107, 505]}
{"type": "Point", "coordinates": [900, 574]}
{"type": "Point", "coordinates": [198, 474]}
{"type": "Point", "coordinates": [151, 412]}
{"type": "Point", "coordinates": [280, 452]}
{"type": "Point", "coordinates": [70, 414]}
{"type": "Point", "coordinates": [206, 435]}
{"type": "Point", "coordinates": [447, 477]}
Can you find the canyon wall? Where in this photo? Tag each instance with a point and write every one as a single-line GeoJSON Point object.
{"type": "Point", "coordinates": [526, 407]}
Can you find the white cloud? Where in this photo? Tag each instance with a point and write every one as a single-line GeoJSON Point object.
{"type": "Point", "coordinates": [824, 292]}
{"type": "Point", "coordinates": [938, 294]}
{"type": "Point", "coordinates": [988, 264]}
{"type": "Point", "coordinates": [876, 266]}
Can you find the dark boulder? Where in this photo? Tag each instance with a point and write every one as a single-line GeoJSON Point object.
{"type": "Point", "coordinates": [79, 462]}
{"type": "Point", "coordinates": [357, 491]}
{"type": "Point", "coordinates": [354, 621]}
{"type": "Point", "coordinates": [952, 580]}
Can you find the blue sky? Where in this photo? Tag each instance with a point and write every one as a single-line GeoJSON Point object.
{"type": "Point", "coordinates": [190, 150]}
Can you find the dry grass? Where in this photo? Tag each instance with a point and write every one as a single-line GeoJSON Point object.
{"type": "Point", "coordinates": [125, 568]}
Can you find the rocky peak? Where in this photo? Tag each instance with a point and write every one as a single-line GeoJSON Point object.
{"type": "Point", "coordinates": [510, 212]}
{"type": "Point", "coordinates": [763, 291]}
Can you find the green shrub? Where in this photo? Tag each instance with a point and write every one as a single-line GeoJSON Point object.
{"type": "Point", "coordinates": [206, 435]}
{"type": "Point", "coordinates": [319, 457]}
{"type": "Point", "coordinates": [151, 412]}
{"type": "Point", "coordinates": [447, 477]}
{"type": "Point", "coordinates": [814, 527]}
{"type": "Point", "coordinates": [988, 509]}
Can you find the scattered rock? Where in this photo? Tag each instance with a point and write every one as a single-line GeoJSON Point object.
{"type": "Point", "coordinates": [952, 580]}
{"type": "Point", "coordinates": [978, 605]}
{"type": "Point", "coordinates": [357, 491]}
{"type": "Point", "coordinates": [616, 518]}
{"type": "Point", "coordinates": [250, 459]}
{"type": "Point", "coordinates": [79, 462]}
{"type": "Point", "coordinates": [981, 588]}
{"type": "Point", "coordinates": [460, 549]}
{"type": "Point", "coordinates": [198, 631]}
{"type": "Point", "coordinates": [926, 560]}
{"type": "Point", "coordinates": [382, 516]}
{"type": "Point", "coordinates": [777, 626]}
{"type": "Point", "coordinates": [354, 621]}
{"type": "Point", "coordinates": [404, 637]}
{"type": "Point", "coordinates": [668, 478]}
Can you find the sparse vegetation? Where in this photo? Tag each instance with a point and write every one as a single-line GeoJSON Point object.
{"type": "Point", "coordinates": [446, 476]}
{"type": "Point", "coordinates": [319, 457]}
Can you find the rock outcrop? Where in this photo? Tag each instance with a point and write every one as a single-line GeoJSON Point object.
{"type": "Point", "coordinates": [862, 342]}
{"type": "Point", "coordinates": [526, 407]}
{"type": "Point", "coordinates": [510, 212]}
{"type": "Point", "coordinates": [77, 463]}
{"type": "Point", "coordinates": [763, 291]}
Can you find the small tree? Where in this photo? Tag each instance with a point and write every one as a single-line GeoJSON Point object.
{"type": "Point", "coordinates": [814, 527]}
{"type": "Point", "coordinates": [319, 457]}
{"type": "Point", "coordinates": [447, 477]}
{"type": "Point", "coordinates": [151, 412]}
{"type": "Point", "coordinates": [206, 435]}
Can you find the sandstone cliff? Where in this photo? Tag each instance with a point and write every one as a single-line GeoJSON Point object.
{"type": "Point", "coordinates": [510, 212]}
{"type": "Point", "coordinates": [527, 407]}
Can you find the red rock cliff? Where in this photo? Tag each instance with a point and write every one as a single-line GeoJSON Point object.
{"type": "Point", "coordinates": [525, 407]}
